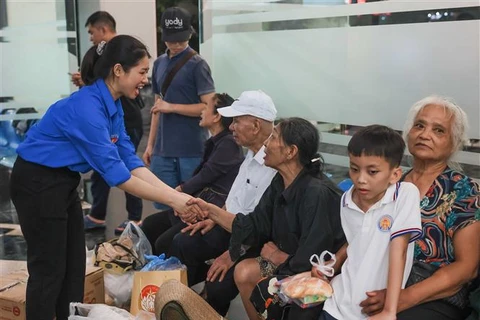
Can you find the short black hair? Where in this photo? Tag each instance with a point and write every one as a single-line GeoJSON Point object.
{"type": "Point", "coordinates": [101, 17]}
{"type": "Point", "coordinates": [380, 141]}
{"type": "Point", "coordinates": [222, 100]}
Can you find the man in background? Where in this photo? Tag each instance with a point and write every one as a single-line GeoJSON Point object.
{"type": "Point", "coordinates": [102, 27]}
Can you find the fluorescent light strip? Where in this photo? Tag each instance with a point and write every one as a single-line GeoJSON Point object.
{"type": "Point", "coordinates": [319, 11]}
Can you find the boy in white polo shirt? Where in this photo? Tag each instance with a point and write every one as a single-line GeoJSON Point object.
{"type": "Point", "coordinates": [381, 219]}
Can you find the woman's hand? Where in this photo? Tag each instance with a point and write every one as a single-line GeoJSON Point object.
{"type": "Point", "coordinates": [271, 253]}
{"type": "Point", "coordinates": [219, 267]}
{"type": "Point", "coordinates": [147, 156]}
{"type": "Point", "coordinates": [204, 207]}
{"type": "Point", "coordinates": [188, 212]}
{"type": "Point", "coordinates": [315, 273]}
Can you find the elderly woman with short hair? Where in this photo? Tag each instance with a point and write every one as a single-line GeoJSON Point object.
{"type": "Point", "coordinates": [448, 253]}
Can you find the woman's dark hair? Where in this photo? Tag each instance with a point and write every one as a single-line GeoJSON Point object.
{"type": "Point", "coordinates": [88, 63]}
{"type": "Point", "coordinates": [99, 60]}
{"type": "Point", "coordinates": [222, 100]}
{"type": "Point", "coordinates": [303, 134]}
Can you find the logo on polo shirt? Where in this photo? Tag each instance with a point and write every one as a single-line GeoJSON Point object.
{"type": "Point", "coordinates": [114, 138]}
{"type": "Point", "coordinates": [385, 223]}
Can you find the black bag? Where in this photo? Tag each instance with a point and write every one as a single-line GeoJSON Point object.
{"type": "Point", "coordinates": [421, 271]}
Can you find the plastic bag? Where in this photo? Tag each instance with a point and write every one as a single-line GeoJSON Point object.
{"type": "Point", "coordinates": [140, 243]}
{"type": "Point", "coordinates": [325, 267]}
{"type": "Point", "coordinates": [119, 287]}
{"type": "Point", "coordinates": [89, 254]}
{"type": "Point", "coordinates": [304, 290]}
{"type": "Point", "coordinates": [125, 253]}
{"type": "Point", "coordinates": [161, 264]}
{"type": "Point", "coordinates": [80, 311]}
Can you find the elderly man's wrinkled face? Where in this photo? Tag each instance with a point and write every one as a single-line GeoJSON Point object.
{"type": "Point", "coordinates": [430, 138]}
{"type": "Point", "coordinates": [244, 130]}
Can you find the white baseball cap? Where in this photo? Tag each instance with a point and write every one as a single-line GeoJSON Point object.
{"type": "Point", "coordinates": [254, 103]}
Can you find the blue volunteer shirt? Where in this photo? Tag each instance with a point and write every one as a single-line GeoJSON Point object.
{"type": "Point", "coordinates": [179, 135]}
{"type": "Point", "coordinates": [83, 132]}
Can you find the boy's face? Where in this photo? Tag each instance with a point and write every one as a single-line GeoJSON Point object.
{"type": "Point", "coordinates": [371, 176]}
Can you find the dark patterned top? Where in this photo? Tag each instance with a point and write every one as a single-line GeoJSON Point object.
{"type": "Point", "coordinates": [451, 203]}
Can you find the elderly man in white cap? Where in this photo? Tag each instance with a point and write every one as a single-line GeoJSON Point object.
{"type": "Point", "coordinates": [253, 115]}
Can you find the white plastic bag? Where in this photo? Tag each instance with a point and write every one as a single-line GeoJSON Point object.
{"type": "Point", "coordinates": [325, 267]}
{"type": "Point", "coordinates": [119, 287]}
{"type": "Point", "coordinates": [80, 311]}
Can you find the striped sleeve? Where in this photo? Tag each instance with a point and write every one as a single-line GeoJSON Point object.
{"type": "Point", "coordinates": [407, 219]}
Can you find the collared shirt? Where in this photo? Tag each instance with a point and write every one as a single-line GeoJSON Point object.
{"type": "Point", "coordinates": [368, 235]}
{"type": "Point", "coordinates": [83, 132]}
{"type": "Point", "coordinates": [179, 135]}
{"type": "Point", "coordinates": [219, 167]}
{"type": "Point", "coordinates": [301, 220]}
{"type": "Point", "coordinates": [451, 203]}
{"type": "Point", "coordinates": [252, 180]}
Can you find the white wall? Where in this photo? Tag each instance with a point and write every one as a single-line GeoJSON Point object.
{"type": "Point", "coordinates": [136, 18]}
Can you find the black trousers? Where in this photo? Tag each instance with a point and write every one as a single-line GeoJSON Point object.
{"type": "Point", "coordinates": [101, 190]}
{"type": "Point", "coordinates": [194, 250]}
{"type": "Point", "coordinates": [220, 294]}
{"type": "Point", "coordinates": [160, 229]}
{"type": "Point", "coordinates": [434, 310]}
{"type": "Point", "coordinates": [51, 218]}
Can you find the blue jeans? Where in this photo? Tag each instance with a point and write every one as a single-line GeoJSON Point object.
{"type": "Point", "coordinates": [173, 171]}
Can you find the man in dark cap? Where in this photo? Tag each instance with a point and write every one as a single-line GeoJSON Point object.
{"type": "Point", "coordinates": [183, 85]}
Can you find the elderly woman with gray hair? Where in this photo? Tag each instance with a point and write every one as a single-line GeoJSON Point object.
{"type": "Point", "coordinates": [448, 253]}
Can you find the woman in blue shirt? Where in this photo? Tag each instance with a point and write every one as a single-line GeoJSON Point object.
{"type": "Point", "coordinates": [77, 134]}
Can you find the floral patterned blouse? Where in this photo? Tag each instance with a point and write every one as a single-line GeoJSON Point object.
{"type": "Point", "coordinates": [451, 203]}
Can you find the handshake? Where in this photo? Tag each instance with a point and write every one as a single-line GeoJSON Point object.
{"type": "Point", "coordinates": [192, 210]}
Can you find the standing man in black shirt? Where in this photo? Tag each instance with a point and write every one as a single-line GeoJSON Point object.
{"type": "Point", "coordinates": [102, 27]}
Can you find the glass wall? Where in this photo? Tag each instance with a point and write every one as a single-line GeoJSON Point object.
{"type": "Point", "coordinates": [37, 51]}
{"type": "Point", "coordinates": [345, 64]}
{"type": "Point", "coordinates": [37, 48]}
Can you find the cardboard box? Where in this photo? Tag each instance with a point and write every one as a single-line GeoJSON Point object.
{"type": "Point", "coordinates": [94, 291]}
{"type": "Point", "coordinates": [146, 285]}
{"type": "Point", "coordinates": [13, 288]}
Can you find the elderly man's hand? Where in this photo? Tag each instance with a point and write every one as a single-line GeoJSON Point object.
{"type": "Point", "coordinates": [219, 267]}
{"type": "Point", "coordinates": [202, 226]}
{"type": "Point", "coordinates": [162, 106]}
{"type": "Point", "coordinates": [188, 212]}
{"type": "Point", "coordinates": [202, 205]}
